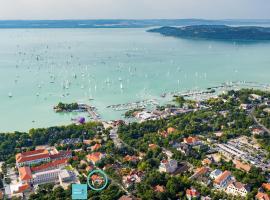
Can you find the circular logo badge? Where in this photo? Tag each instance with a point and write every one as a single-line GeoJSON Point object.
{"type": "Point", "coordinates": [97, 180]}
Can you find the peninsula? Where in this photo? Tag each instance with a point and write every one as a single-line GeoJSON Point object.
{"type": "Point", "coordinates": [216, 32]}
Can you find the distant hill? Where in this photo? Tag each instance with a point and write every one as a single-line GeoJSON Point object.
{"type": "Point", "coordinates": [122, 23]}
{"type": "Point", "coordinates": [216, 32]}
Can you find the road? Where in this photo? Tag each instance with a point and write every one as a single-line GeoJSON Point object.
{"type": "Point", "coordinates": [257, 122]}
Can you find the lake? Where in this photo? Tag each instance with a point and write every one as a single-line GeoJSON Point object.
{"type": "Point", "coordinates": [41, 67]}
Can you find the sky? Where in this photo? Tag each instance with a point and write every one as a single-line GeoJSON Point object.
{"type": "Point", "coordinates": [134, 9]}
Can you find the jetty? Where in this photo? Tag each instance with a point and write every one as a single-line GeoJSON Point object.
{"type": "Point", "coordinates": [92, 111]}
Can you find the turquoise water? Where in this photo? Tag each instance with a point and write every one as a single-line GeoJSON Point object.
{"type": "Point", "coordinates": [37, 64]}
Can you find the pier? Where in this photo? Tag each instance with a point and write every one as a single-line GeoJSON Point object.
{"type": "Point", "coordinates": [92, 111]}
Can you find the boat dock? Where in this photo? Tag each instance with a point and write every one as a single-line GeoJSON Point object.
{"type": "Point", "coordinates": [134, 105]}
{"type": "Point", "coordinates": [92, 111]}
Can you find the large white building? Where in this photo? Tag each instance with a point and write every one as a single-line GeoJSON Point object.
{"type": "Point", "coordinates": [237, 188]}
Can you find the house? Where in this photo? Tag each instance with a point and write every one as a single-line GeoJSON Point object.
{"type": "Point", "coordinates": [192, 194]}
{"type": "Point", "coordinates": [129, 158]}
{"type": "Point", "coordinates": [257, 131]}
{"type": "Point", "coordinates": [168, 166]}
{"type": "Point", "coordinates": [95, 147]}
{"type": "Point", "coordinates": [184, 148]}
{"type": "Point", "coordinates": [152, 146]}
{"type": "Point", "coordinates": [207, 161]}
{"type": "Point", "coordinates": [171, 130]}
{"type": "Point", "coordinates": [25, 174]}
{"type": "Point", "coordinates": [223, 180]}
{"type": "Point", "coordinates": [159, 188]}
{"type": "Point", "coordinates": [245, 106]}
{"type": "Point", "coordinates": [262, 196]}
{"type": "Point", "coordinates": [214, 174]}
{"type": "Point", "coordinates": [192, 141]}
{"type": "Point", "coordinates": [266, 186]}
{"type": "Point", "coordinates": [125, 197]}
{"type": "Point", "coordinates": [242, 166]}
{"type": "Point", "coordinates": [200, 172]}
{"type": "Point", "coordinates": [133, 177]}
{"type": "Point", "coordinates": [256, 97]}
{"type": "Point", "coordinates": [237, 188]}
{"type": "Point", "coordinates": [218, 134]}
{"type": "Point", "coordinates": [94, 157]}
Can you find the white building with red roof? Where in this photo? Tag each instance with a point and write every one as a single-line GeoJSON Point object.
{"type": "Point", "coordinates": [192, 194]}
{"type": "Point", "coordinates": [237, 188]}
{"type": "Point", "coordinates": [32, 157]}
{"type": "Point", "coordinates": [222, 181]}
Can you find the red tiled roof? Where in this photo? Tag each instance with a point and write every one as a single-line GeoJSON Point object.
{"type": "Point", "coordinates": [266, 186]}
{"type": "Point", "coordinates": [159, 188]}
{"type": "Point", "coordinates": [262, 196]}
{"type": "Point", "coordinates": [94, 157]}
{"type": "Point", "coordinates": [191, 140]}
{"type": "Point", "coordinates": [242, 166]}
{"type": "Point", "coordinates": [192, 192]}
{"type": "Point", "coordinates": [23, 188]}
{"type": "Point", "coordinates": [32, 155]}
{"type": "Point", "coordinates": [49, 165]}
{"type": "Point", "coordinates": [25, 173]}
{"type": "Point", "coordinates": [171, 130]}
{"type": "Point", "coordinates": [222, 177]}
{"type": "Point", "coordinates": [95, 147]}
{"type": "Point", "coordinates": [152, 146]}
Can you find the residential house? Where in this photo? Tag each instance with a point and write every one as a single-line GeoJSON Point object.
{"type": "Point", "coordinates": [168, 166]}
{"type": "Point", "coordinates": [94, 157]}
{"type": "Point", "coordinates": [192, 141]}
{"type": "Point", "coordinates": [192, 194]}
{"type": "Point", "coordinates": [262, 196]}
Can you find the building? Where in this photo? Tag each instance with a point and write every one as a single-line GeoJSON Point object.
{"type": "Point", "coordinates": [129, 158]}
{"type": "Point", "coordinates": [257, 131]}
{"type": "Point", "coordinates": [159, 188]}
{"type": "Point", "coordinates": [41, 155]}
{"type": "Point", "coordinates": [192, 194]}
{"type": "Point", "coordinates": [242, 166]}
{"type": "Point", "coordinates": [192, 141]}
{"type": "Point", "coordinates": [46, 176]}
{"type": "Point", "coordinates": [266, 186]}
{"type": "Point", "coordinates": [168, 166]}
{"type": "Point", "coordinates": [132, 178]}
{"type": "Point", "coordinates": [237, 188]}
{"type": "Point", "coordinates": [95, 147]}
{"type": "Point", "coordinates": [200, 172]}
{"type": "Point", "coordinates": [95, 157]}
{"type": "Point", "coordinates": [262, 196]}
{"type": "Point", "coordinates": [51, 165]}
{"type": "Point", "coordinates": [222, 181]}
{"type": "Point", "coordinates": [214, 174]}
{"type": "Point", "coordinates": [171, 130]}
{"type": "Point", "coordinates": [32, 157]}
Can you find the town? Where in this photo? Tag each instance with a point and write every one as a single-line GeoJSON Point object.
{"type": "Point", "coordinates": [216, 148]}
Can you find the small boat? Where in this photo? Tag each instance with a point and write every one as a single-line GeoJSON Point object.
{"type": "Point", "coordinates": [10, 95]}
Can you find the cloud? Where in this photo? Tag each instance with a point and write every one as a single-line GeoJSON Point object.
{"type": "Point", "coordinates": [133, 9]}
